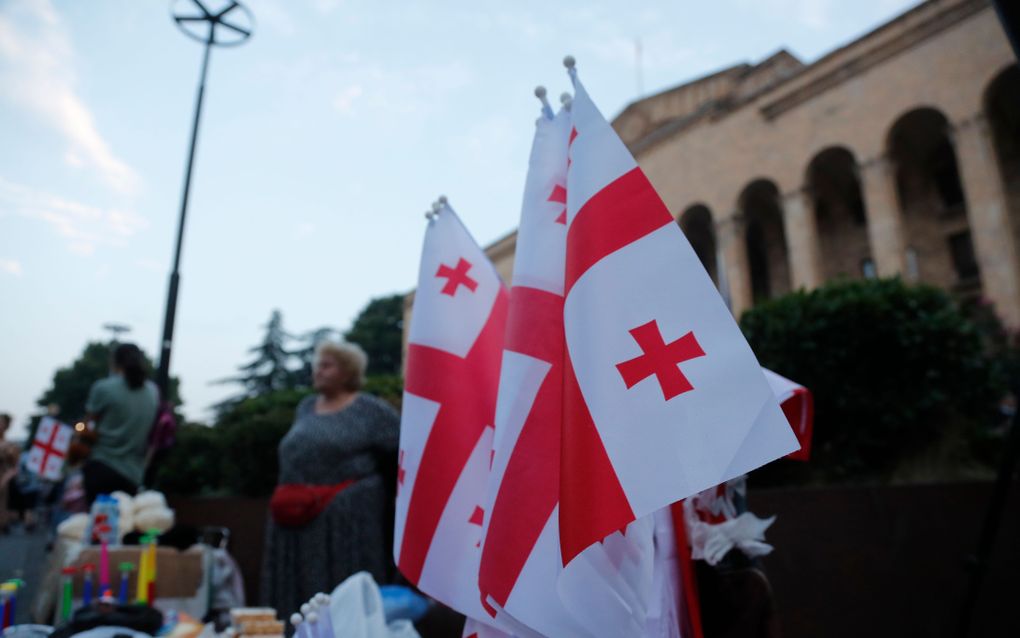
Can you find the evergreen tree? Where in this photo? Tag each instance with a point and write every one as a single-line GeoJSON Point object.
{"type": "Point", "coordinates": [271, 368]}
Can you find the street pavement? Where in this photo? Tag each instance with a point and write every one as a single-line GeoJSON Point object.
{"type": "Point", "coordinates": [23, 555]}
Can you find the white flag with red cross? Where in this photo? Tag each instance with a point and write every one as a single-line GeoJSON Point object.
{"type": "Point", "coordinates": [663, 396]}
{"type": "Point", "coordinates": [452, 370]}
{"type": "Point", "coordinates": [608, 591]}
{"type": "Point", "coordinates": [49, 448]}
{"type": "Point", "coordinates": [520, 552]}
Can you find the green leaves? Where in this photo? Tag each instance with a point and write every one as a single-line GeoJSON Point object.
{"type": "Point", "coordinates": [891, 367]}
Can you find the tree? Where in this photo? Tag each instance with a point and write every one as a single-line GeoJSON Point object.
{"type": "Point", "coordinates": [249, 434]}
{"type": "Point", "coordinates": [270, 370]}
{"type": "Point", "coordinates": [902, 379]}
{"type": "Point", "coordinates": [378, 329]}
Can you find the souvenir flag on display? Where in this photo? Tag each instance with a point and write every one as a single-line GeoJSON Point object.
{"type": "Point", "coordinates": [798, 405]}
{"type": "Point", "coordinates": [520, 553]}
{"type": "Point", "coordinates": [663, 396]}
{"type": "Point", "coordinates": [521, 559]}
{"type": "Point", "coordinates": [49, 449]}
{"type": "Point", "coordinates": [452, 370]}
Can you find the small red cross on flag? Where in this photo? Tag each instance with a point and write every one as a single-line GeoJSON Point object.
{"type": "Point", "coordinates": [456, 277]}
{"type": "Point", "coordinates": [559, 196]}
{"type": "Point", "coordinates": [660, 359]}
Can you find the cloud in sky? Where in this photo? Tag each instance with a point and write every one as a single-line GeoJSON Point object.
{"type": "Point", "coordinates": [83, 226]}
{"type": "Point", "coordinates": [37, 72]}
{"type": "Point", "coordinates": [10, 266]}
{"type": "Point", "coordinates": [344, 101]}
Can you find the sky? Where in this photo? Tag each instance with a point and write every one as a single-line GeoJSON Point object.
{"type": "Point", "coordinates": [323, 140]}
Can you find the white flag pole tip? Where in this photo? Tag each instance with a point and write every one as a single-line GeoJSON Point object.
{"type": "Point", "coordinates": [443, 201]}
{"type": "Point", "coordinates": [566, 100]}
{"type": "Point", "coordinates": [571, 65]}
{"type": "Point", "coordinates": [541, 93]}
{"type": "Point", "coordinates": [305, 608]}
{"type": "Point", "coordinates": [296, 619]}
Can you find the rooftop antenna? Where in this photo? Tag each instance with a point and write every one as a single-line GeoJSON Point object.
{"type": "Point", "coordinates": [116, 330]}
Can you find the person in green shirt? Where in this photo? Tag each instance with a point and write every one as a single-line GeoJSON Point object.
{"type": "Point", "coordinates": [123, 406]}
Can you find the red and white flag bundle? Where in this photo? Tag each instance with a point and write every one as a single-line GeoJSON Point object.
{"type": "Point", "coordinates": [624, 385]}
{"type": "Point", "coordinates": [49, 449]}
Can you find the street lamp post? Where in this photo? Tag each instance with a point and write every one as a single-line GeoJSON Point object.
{"type": "Point", "coordinates": [230, 25]}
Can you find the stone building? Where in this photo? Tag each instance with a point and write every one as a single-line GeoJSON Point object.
{"type": "Point", "coordinates": [898, 153]}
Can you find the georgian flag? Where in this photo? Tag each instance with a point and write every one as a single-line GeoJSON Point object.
{"type": "Point", "coordinates": [454, 346]}
{"type": "Point", "coordinates": [621, 586]}
{"type": "Point", "coordinates": [521, 560]}
{"type": "Point", "coordinates": [663, 396]}
{"type": "Point", "coordinates": [49, 449]}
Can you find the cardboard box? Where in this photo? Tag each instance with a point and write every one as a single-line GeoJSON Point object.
{"type": "Point", "coordinates": [178, 574]}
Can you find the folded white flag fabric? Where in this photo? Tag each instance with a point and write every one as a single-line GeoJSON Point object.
{"type": "Point", "coordinates": [663, 396]}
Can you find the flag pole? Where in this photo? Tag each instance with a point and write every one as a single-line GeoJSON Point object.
{"type": "Point", "coordinates": [690, 600]}
{"type": "Point", "coordinates": [547, 111]}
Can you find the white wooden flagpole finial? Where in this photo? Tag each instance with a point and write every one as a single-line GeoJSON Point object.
{"type": "Point", "coordinates": [566, 100]}
{"type": "Point", "coordinates": [443, 201]}
{"type": "Point", "coordinates": [571, 65]}
{"type": "Point", "coordinates": [541, 93]}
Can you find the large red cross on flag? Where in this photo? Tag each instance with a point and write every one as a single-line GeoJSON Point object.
{"type": "Point", "coordinates": [49, 449]}
{"type": "Point", "coordinates": [452, 370]}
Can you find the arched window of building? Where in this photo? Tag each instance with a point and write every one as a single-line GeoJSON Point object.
{"type": "Point", "coordinates": [696, 223]}
{"type": "Point", "coordinates": [767, 254]}
{"type": "Point", "coordinates": [1002, 108]}
{"type": "Point", "coordinates": [932, 200]}
{"type": "Point", "coordinates": [833, 181]}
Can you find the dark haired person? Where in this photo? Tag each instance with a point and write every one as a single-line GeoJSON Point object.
{"type": "Point", "coordinates": [123, 406]}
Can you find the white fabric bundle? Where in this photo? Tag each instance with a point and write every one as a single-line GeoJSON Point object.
{"type": "Point", "coordinates": [150, 512]}
{"type": "Point", "coordinates": [73, 527]}
{"type": "Point", "coordinates": [154, 518]}
{"type": "Point", "coordinates": [125, 513]}
{"type": "Point", "coordinates": [148, 500]}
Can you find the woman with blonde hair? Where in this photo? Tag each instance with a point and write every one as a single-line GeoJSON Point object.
{"type": "Point", "coordinates": [331, 513]}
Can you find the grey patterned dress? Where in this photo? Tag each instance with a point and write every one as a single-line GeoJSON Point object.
{"type": "Point", "coordinates": [355, 531]}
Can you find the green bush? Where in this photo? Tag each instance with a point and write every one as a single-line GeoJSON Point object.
{"type": "Point", "coordinates": [389, 387]}
{"type": "Point", "coordinates": [250, 432]}
{"type": "Point", "coordinates": [896, 371]}
{"type": "Point", "coordinates": [193, 465]}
